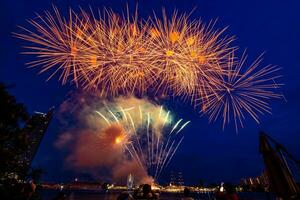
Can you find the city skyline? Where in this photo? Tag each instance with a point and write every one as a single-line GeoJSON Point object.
{"type": "Point", "coordinates": [207, 152]}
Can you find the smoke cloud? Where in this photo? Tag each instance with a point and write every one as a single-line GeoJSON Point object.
{"type": "Point", "coordinates": [94, 145]}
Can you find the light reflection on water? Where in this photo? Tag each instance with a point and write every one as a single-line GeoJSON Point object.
{"type": "Point", "coordinates": [96, 195]}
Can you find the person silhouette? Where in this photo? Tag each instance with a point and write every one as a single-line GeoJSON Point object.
{"type": "Point", "coordinates": [187, 194]}
{"type": "Point", "coordinates": [230, 192]}
{"type": "Point", "coordinates": [148, 193]}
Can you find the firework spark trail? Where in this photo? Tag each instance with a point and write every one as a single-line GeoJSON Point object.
{"type": "Point", "coordinates": [159, 156]}
{"type": "Point", "coordinates": [154, 153]}
{"type": "Point", "coordinates": [158, 142]}
{"type": "Point", "coordinates": [175, 126]}
{"type": "Point", "coordinates": [106, 120]}
{"type": "Point", "coordinates": [114, 116]}
{"type": "Point", "coordinates": [137, 157]}
{"type": "Point", "coordinates": [164, 146]}
{"type": "Point", "coordinates": [167, 153]}
{"type": "Point", "coordinates": [159, 138]}
{"type": "Point", "coordinates": [148, 139]}
{"type": "Point", "coordinates": [170, 158]}
{"type": "Point", "coordinates": [182, 127]}
{"type": "Point", "coordinates": [123, 112]}
{"type": "Point", "coordinates": [136, 136]}
{"type": "Point", "coordinates": [245, 90]}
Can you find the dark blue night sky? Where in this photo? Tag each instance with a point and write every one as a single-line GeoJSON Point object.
{"type": "Point", "coordinates": [207, 152]}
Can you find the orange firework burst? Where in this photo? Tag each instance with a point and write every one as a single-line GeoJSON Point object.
{"type": "Point", "coordinates": [57, 43]}
{"type": "Point", "coordinates": [122, 55]}
{"type": "Point", "coordinates": [121, 60]}
{"type": "Point", "coordinates": [190, 54]}
{"type": "Point", "coordinates": [243, 91]}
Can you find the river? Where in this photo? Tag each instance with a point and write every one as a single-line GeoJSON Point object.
{"type": "Point", "coordinates": [96, 195]}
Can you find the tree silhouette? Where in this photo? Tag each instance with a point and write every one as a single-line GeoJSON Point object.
{"type": "Point", "coordinates": [13, 140]}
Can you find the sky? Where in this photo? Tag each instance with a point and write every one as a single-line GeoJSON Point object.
{"type": "Point", "coordinates": [207, 152]}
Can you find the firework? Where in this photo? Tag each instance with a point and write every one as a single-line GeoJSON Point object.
{"type": "Point", "coordinates": [176, 57]}
{"type": "Point", "coordinates": [190, 53]}
{"type": "Point", "coordinates": [121, 55]}
{"type": "Point", "coordinates": [244, 90]}
{"type": "Point", "coordinates": [57, 44]}
{"type": "Point", "coordinates": [150, 138]}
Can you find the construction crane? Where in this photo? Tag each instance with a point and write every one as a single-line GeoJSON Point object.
{"type": "Point", "coordinates": [281, 180]}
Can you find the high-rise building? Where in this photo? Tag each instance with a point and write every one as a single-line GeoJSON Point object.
{"type": "Point", "coordinates": [176, 179]}
{"type": "Point", "coordinates": [180, 180]}
{"type": "Point", "coordinates": [34, 131]}
{"type": "Point", "coordinates": [172, 179]}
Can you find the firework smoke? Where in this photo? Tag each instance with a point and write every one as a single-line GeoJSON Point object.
{"type": "Point", "coordinates": [127, 135]}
